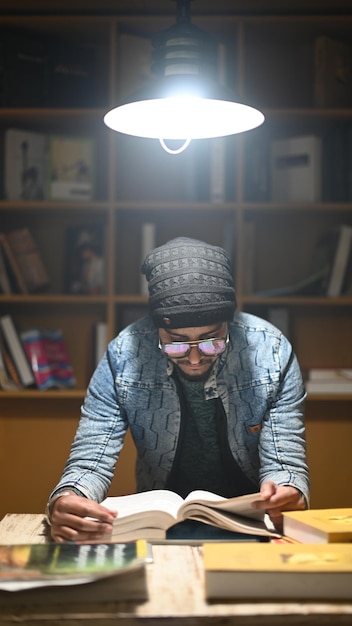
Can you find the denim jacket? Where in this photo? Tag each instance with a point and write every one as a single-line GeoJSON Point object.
{"type": "Point", "coordinates": [258, 380]}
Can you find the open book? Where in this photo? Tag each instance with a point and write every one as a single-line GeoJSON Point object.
{"type": "Point", "coordinates": [150, 514]}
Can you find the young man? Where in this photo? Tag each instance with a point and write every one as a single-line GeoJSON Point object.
{"type": "Point", "coordinates": [214, 399]}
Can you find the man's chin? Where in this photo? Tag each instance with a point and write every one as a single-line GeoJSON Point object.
{"type": "Point", "coordinates": [196, 374]}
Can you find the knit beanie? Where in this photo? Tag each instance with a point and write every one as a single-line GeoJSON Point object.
{"type": "Point", "coordinates": [190, 284]}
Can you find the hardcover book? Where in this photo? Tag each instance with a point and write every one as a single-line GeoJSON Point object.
{"type": "Point", "coordinates": [72, 72]}
{"type": "Point", "coordinates": [25, 167]}
{"type": "Point", "coordinates": [5, 284]}
{"type": "Point", "coordinates": [16, 350]}
{"type": "Point", "coordinates": [328, 373]}
{"type": "Point", "coordinates": [71, 168]}
{"type": "Point", "coordinates": [72, 573]}
{"type": "Point", "coordinates": [135, 60]}
{"type": "Point", "coordinates": [339, 387]}
{"type": "Point", "coordinates": [6, 382]}
{"type": "Point", "coordinates": [24, 69]}
{"type": "Point", "coordinates": [151, 513]}
{"type": "Point", "coordinates": [319, 525]}
{"type": "Point", "coordinates": [289, 571]}
{"type": "Point", "coordinates": [47, 353]}
{"type": "Point", "coordinates": [17, 282]}
{"type": "Point", "coordinates": [10, 377]}
{"type": "Point", "coordinates": [341, 253]}
{"type": "Point", "coordinates": [28, 259]}
{"type": "Point", "coordinates": [100, 341]}
{"type": "Point", "coordinates": [84, 260]}
{"type": "Point", "coordinates": [332, 72]}
{"type": "Point", "coordinates": [296, 169]}
{"type": "Point", "coordinates": [148, 236]}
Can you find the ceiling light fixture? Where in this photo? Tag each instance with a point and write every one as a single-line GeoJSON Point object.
{"type": "Point", "coordinates": [185, 101]}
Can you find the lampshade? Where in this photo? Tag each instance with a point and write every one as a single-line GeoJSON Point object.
{"type": "Point", "coordinates": [185, 101]}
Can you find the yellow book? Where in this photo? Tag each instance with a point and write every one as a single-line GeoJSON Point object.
{"type": "Point", "coordinates": [273, 570]}
{"type": "Point", "coordinates": [319, 525]}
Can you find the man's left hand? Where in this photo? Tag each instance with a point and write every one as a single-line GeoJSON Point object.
{"type": "Point", "coordinates": [278, 498]}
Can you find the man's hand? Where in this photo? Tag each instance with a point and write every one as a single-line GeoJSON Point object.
{"type": "Point", "coordinates": [278, 498]}
{"type": "Point", "coordinates": [78, 519]}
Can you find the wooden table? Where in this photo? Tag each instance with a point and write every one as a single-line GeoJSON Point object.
{"type": "Point", "coordinates": [175, 583]}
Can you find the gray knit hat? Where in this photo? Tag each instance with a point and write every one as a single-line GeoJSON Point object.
{"type": "Point", "coordinates": [190, 284]}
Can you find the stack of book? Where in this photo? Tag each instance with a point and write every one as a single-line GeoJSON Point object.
{"type": "Point", "coordinates": [329, 380]}
{"type": "Point", "coordinates": [313, 562]}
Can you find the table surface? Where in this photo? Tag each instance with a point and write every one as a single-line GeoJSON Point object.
{"type": "Point", "coordinates": [176, 594]}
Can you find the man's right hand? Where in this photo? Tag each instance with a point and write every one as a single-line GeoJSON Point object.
{"type": "Point", "coordinates": [78, 519]}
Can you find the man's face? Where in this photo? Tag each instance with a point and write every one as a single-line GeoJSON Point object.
{"type": "Point", "coordinates": [195, 365]}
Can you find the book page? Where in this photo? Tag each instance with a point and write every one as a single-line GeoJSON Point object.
{"type": "Point", "coordinates": [240, 505]}
{"type": "Point", "coordinates": [147, 501]}
{"type": "Point", "coordinates": [229, 521]}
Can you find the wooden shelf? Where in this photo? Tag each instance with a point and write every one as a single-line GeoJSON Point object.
{"type": "Point", "coordinates": [50, 394]}
{"type": "Point", "coordinates": [137, 182]}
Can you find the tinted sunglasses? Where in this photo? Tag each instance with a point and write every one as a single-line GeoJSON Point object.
{"type": "Point", "coordinates": [206, 347]}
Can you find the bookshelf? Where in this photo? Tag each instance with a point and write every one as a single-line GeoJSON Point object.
{"type": "Point", "coordinates": [272, 244]}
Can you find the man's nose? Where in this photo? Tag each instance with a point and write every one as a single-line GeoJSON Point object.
{"type": "Point", "coordinates": [194, 356]}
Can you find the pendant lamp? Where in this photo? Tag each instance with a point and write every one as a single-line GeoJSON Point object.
{"type": "Point", "coordinates": [185, 101]}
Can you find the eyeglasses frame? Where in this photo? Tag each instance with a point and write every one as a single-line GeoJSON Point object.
{"type": "Point", "coordinates": [192, 344]}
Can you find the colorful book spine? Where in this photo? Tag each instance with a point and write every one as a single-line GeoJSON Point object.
{"type": "Point", "coordinates": [48, 357]}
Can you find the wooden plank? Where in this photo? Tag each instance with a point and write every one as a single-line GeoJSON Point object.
{"type": "Point", "coordinates": [176, 590]}
{"type": "Point", "coordinates": [22, 528]}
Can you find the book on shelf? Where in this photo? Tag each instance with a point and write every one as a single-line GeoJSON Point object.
{"type": "Point", "coordinates": [257, 169]}
{"type": "Point", "coordinates": [331, 268]}
{"type": "Point", "coordinates": [134, 63]}
{"type": "Point", "coordinates": [148, 237]}
{"type": "Point", "coordinates": [24, 69]}
{"type": "Point", "coordinates": [100, 341]}
{"type": "Point", "coordinates": [150, 514]}
{"type": "Point", "coordinates": [314, 284]}
{"type": "Point", "coordinates": [319, 525]}
{"type": "Point", "coordinates": [48, 356]}
{"type": "Point", "coordinates": [73, 69]}
{"type": "Point", "coordinates": [28, 259]}
{"type": "Point", "coordinates": [272, 571]}
{"type": "Point", "coordinates": [84, 260]}
{"type": "Point", "coordinates": [340, 387]}
{"type": "Point", "coordinates": [6, 382]}
{"type": "Point", "coordinates": [71, 573]}
{"type": "Point", "coordinates": [336, 162]}
{"type": "Point", "coordinates": [5, 284]}
{"type": "Point", "coordinates": [10, 377]}
{"type": "Point", "coordinates": [71, 168]}
{"type": "Point", "coordinates": [341, 254]}
{"type": "Point", "coordinates": [328, 381]}
{"type": "Point", "coordinates": [329, 373]}
{"type": "Point", "coordinates": [332, 72]}
{"type": "Point", "coordinates": [217, 169]}
{"type": "Point", "coordinates": [13, 344]}
{"type": "Point", "coordinates": [296, 169]}
{"type": "Point", "coordinates": [25, 164]}
{"type": "Point", "coordinates": [16, 280]}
